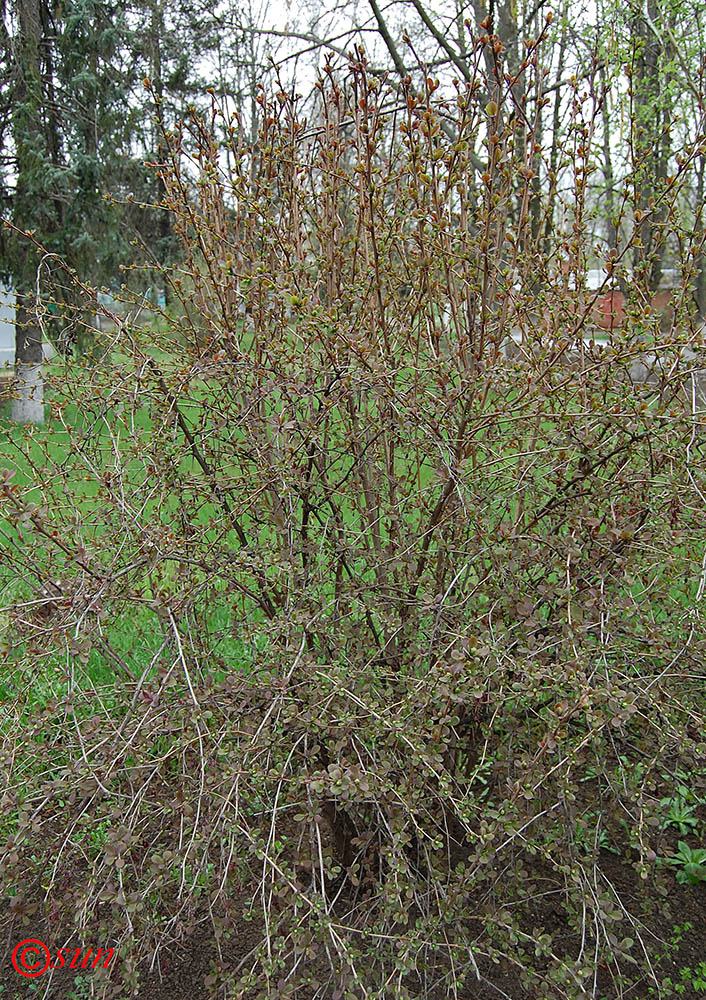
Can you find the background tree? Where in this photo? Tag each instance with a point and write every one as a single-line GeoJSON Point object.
{"type": "Point", "coordinates": [77, 134]}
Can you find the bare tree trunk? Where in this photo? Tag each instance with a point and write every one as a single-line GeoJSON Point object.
{"type": "Point", "coordinates": [556, 125]}
{"type": "Point", "coordinates": [28, 400]}
{"type": "Point", "coordinates": [156, 35]}
{"type": "Point", "coordinates": [29, 139]}
{"type": "Point", "coordinates": [608, 171]}
{"type": "Point", "coordinates": [700, 276]}
{"type": "Point", "coordinates": [652, 142]}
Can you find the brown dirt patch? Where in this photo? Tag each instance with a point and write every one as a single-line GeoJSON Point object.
{"type": "Point", "coordinates": [181, 974]}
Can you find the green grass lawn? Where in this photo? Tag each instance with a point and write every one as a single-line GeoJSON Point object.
{"type": "Point", "coordinates": [42, 457]}
{"type": "Point", "coordinates": [39, 458]}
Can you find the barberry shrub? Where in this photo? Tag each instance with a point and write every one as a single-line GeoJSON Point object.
{"type": "Point", "coordinates": [356, 605]}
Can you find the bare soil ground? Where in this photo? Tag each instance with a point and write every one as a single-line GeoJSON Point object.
{"type": "Point", "coordinates": [181, 975]}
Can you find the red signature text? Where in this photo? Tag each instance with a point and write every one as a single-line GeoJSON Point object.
{"type": "Point", "coordinates": [32, 958]}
